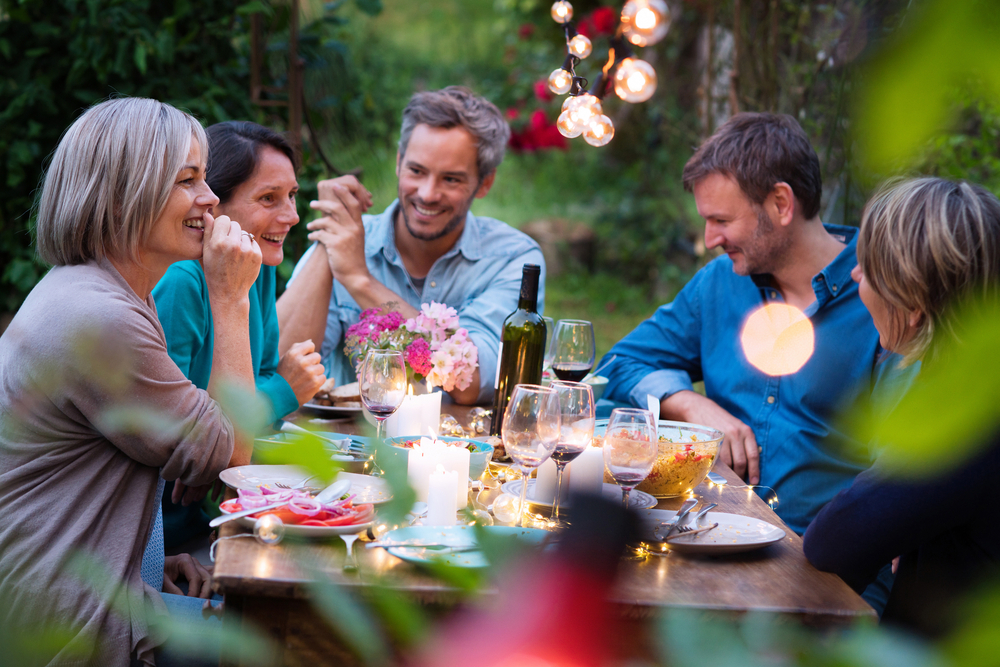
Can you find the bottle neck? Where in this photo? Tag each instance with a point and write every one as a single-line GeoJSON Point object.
{"type": "Point", "coordinates": [529, 289]}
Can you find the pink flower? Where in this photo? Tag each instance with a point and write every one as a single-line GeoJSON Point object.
{"type": "Point", "coordinates": [542, 91]}
{"type": "Point", "coordinates": [604, 20]}
{"type": "Point", "coordinates": [418, 356]}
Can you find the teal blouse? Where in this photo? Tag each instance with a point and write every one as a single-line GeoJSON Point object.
{"type": "Point", "coordinates": [182, 304]}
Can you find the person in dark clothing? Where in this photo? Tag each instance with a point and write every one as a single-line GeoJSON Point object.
{"type": "Point", "coordinates": [923, 244]}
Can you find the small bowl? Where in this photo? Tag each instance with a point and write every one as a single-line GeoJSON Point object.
{"type": "Point", "coordinates": [686, 453]}
{"type": "Point", "coordinates": [479, 457]}
{"type": "Point", "coordinates": [598, 383]}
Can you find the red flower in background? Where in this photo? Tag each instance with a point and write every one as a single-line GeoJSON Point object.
{"type": "Point", "coordinates": [604, 20]}
{"type": "Point", "coordinates": [542, 91]}
{"type": "Point", "coordinates": [512, 113]}
{"type": "Point", "coordinates": [526, 30]}
{"type": "Point", "coordinates": [540, 133]}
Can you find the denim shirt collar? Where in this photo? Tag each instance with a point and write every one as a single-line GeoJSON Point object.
{"type": "Point", "coordinates": [835, 278]}
{"type": "Point", "coordinates": [382, 237]}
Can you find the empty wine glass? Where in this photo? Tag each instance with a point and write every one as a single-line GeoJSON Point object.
{"type": "Point", "coordinates": [576, 429]}
{"type": "Point", "coordinates": [573, 349]}
{"type": "Point", "coordinates": [550, 327]}
{"type": "Point", "coordinates": [530, 430]}
{"type": "Point", "coordinates": [382, 381]}
{"type": "Point", "coordinates": [630, 448]}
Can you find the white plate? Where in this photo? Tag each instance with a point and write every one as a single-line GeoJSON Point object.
{"type": "Point", "coordinates": [367, 489]}
{"type": "Point", "coordinates": [638, 500]}
{"type": "Point", "coordinates": [331, 411]}
{"type": "Point", "coordinates": [735, 533]}
{"type": "Point", "coordinates": [455, 535]}
{"type": "Point", "coordinates": [311, 531]}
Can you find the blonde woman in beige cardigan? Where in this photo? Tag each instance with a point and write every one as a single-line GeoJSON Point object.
{"type": "Point", "coordinates": [92, 409]}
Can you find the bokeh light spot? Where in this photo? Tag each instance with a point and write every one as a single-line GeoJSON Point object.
{"type": "Point", "coordinates": [778, 339]}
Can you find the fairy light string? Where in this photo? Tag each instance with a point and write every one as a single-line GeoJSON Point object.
{"type": "Point", "coordinates": [641, 23]}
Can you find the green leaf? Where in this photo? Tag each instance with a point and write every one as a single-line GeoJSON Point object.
{"type": "Point", "coordinates": [370, 7]}
{"type": "Point", "coordinates": [394, 471]}
{"type": "Point", "coordinates": [946, 415]}
{"type": "Point", "coordinates": [351, 621]}
{"type": "Point", "coordinates": [140, 57]}
{"type": "Point", "coordinates": [305, 451]}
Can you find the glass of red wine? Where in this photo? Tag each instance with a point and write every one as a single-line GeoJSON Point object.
{"type": "Point", "coordinates": [382, 382]}
{"type": "Point", "coordinates": [573, 349]}
{"type": "Point", "coordinates": [576, 430]}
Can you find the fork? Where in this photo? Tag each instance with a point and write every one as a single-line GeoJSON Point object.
{"type": "Point", "coordinates": [300, 485]}
{"type": "Point", "coordinates": [688, 530]}
{"type": "Point", "coordinates": [671, 525]}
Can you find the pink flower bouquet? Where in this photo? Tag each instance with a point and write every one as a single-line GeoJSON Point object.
{"type": "Point", "coordinates": [434, 347]}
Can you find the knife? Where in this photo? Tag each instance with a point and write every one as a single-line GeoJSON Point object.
{"type": "Point", "coordinates": [673, 523]}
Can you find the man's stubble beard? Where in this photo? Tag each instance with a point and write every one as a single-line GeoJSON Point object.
{"type": "Point", "coordinates": [452, 225]}
{"type": "Point", "coordinates": [764, 253]}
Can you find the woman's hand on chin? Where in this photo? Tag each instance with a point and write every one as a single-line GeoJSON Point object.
{"type": "Point", "coordinates": [231, 258]}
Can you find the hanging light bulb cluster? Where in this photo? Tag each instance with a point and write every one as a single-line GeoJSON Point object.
{"type": "Point", "coordinates": [643, 22]}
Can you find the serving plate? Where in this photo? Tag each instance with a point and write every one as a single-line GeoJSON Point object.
{"type": "Point", "coordinates": [636, 500]}
{"type": "Point", "coordinates": [293, 530]}
{"type": "Point", "coordinates": [367, 489]}
{"type": "Point", "coordinates": [734, 534]}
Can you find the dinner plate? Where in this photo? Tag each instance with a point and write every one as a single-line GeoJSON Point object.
{"type": "Point", "coordinates": [293, 530]}
{"type": "Point", "coordinates": [639, 500]}
{"type": "Point", "coordinates": [333, 411]}
{"type": "Point", "coordinates": [734, 534]}
{"type": "Point", "coordinates": [453, 535]}
{"type": "Point", "coordinates": [367, 489]}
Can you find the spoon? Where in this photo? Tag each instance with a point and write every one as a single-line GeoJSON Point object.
{"type": "Point", "coordinates": [350, 560]}
{"type": "Point", "coordinates": [327, 495]}
{"type": "Point", "coordinates": [704, 510]}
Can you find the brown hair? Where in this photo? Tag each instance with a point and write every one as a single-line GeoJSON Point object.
{"type": "Point", "coordinates": [457, 106]}
{"type": "Point", "coordinates": [760, 150]}
{"type": "Point", "coordinates": [926, 242]}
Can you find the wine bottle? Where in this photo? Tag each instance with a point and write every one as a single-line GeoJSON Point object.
{"type": "Point", "coordinates": [522, 346]}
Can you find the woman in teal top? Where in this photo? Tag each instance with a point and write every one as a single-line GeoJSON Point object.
{"type": "Point", "coordinates": [251, 169]}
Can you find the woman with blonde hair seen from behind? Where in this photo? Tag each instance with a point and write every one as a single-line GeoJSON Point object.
{"type": "Point", "coordinates": [93, 412]}
{"type": "Point", "coordinates": [925, 245]}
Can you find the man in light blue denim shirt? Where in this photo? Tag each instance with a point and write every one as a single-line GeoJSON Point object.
{"type": "Point", "coordinates": [426, 246]}
{"type": "Point", "coordinates": [756, 183]}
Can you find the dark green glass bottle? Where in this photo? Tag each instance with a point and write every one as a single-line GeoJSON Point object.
{"type": "Point", "coordinates": [522, 346]}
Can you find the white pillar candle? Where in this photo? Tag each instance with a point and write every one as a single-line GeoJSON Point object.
{"type": "Point", "coordinates": [588, 471]}
{"type": "Point", "coordinates": [545, 482]}
{"type": "Point", "coordinates": [457, 457]}
{"type": "Point", "coordinates": [416, 416]}
{"type": "Point", "coordinates": [418, 469]}
{"type": "Point", "coordinates": [441, 507]}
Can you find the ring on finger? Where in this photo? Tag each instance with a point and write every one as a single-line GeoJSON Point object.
{"type": "Point", "coordinates": [246, 233]}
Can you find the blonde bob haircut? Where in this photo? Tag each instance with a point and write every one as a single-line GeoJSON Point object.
{"type": "Point", "coordinates": [924, 244]}
{"type": "Point", "coordinates": [110, 179]}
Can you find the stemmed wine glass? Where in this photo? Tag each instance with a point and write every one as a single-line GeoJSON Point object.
{"type": "Point", "coordinates": [550, 327]}
{"type": "Point", "coordinates": [630, 448]}
{"type": "Point", "coordinates": [576, 431]}
{"type": "Point", "coordinates": [573, 349]}
{"type": "Point", "coordinates": [382, 381]}
{"type": "Point", "coordinates": [530, 430]}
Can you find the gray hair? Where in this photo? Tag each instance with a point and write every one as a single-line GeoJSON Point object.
{"type": "Point", "coordinates": [923, 244]}
{"type": "Point", "coordinates": [457, 106]}
{"type": "Point", "coordinates": [110, 179]}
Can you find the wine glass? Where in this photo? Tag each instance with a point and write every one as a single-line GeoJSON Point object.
{"type": "Point", "coordinates": [382, 381]}
{"type": "Point", "coordinates": [576, 431]}
{"type": "Point", "coordinates": [550, 327]}
{"type": "Point", "coordinates": [530, 430]}
{"type": "Point", "coordinates": [574, 350]}
{"type": "Point", "coordinates": [630, 448]}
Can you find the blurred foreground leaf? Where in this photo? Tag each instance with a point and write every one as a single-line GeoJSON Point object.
{"type": "Point", "coordinates": [244, 407]}
{"type": "Point", "coordinates": [354, 623]}
{"type": "Point", "coordinates": [394, 472]}
{"type": "Point", "coordinates": [906, 92]}
{"type": "Point", "coordinates": [977, 643]}
{"type": "Point", "coordinates": [30, 644]}
{"type": "Point", "coordinates": [949, 411]}
{"type": "Point", "coordinates": [187, 638]}
{"type": "Point", "coordinates": [305, 451]}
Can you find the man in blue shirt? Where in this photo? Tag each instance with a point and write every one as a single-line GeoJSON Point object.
{"type": "Point", "coordinates": [427, 246]}
{"type": "Point", "coordinates": [756, 182]}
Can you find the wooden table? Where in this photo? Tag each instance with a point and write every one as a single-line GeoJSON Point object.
{"type": "Point", "coordinates": [266, 586]}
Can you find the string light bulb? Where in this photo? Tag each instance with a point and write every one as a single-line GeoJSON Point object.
{"type": "Point", "coordinates": [562, 11]}
{"type": "Point", "coordinates": [582, 109]}
{"type": "Point", "coordinates": [567, 127]}
{"type": "Point", "coordinates": [560, 81]}
{"type": "Point", "coordinates": [599, 131]}
{"type": "Point", "coordinates": [645, 22]}
{"type": "Point", "coordinates": [580, 46]}
{"type": "Point", "coordinates": [269, 529]}
{"type": "Point", "coordinates": [635, 80]}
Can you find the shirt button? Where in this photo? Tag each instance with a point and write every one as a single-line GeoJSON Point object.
{"type": "Point", "coordinates": [433, 284]}
{"type": "Point", "coordinates": [770, 399]}
{"type": "Point", "coordinates": [834, 288]}
{"type": "Point", "coordinates": [774, 295]}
